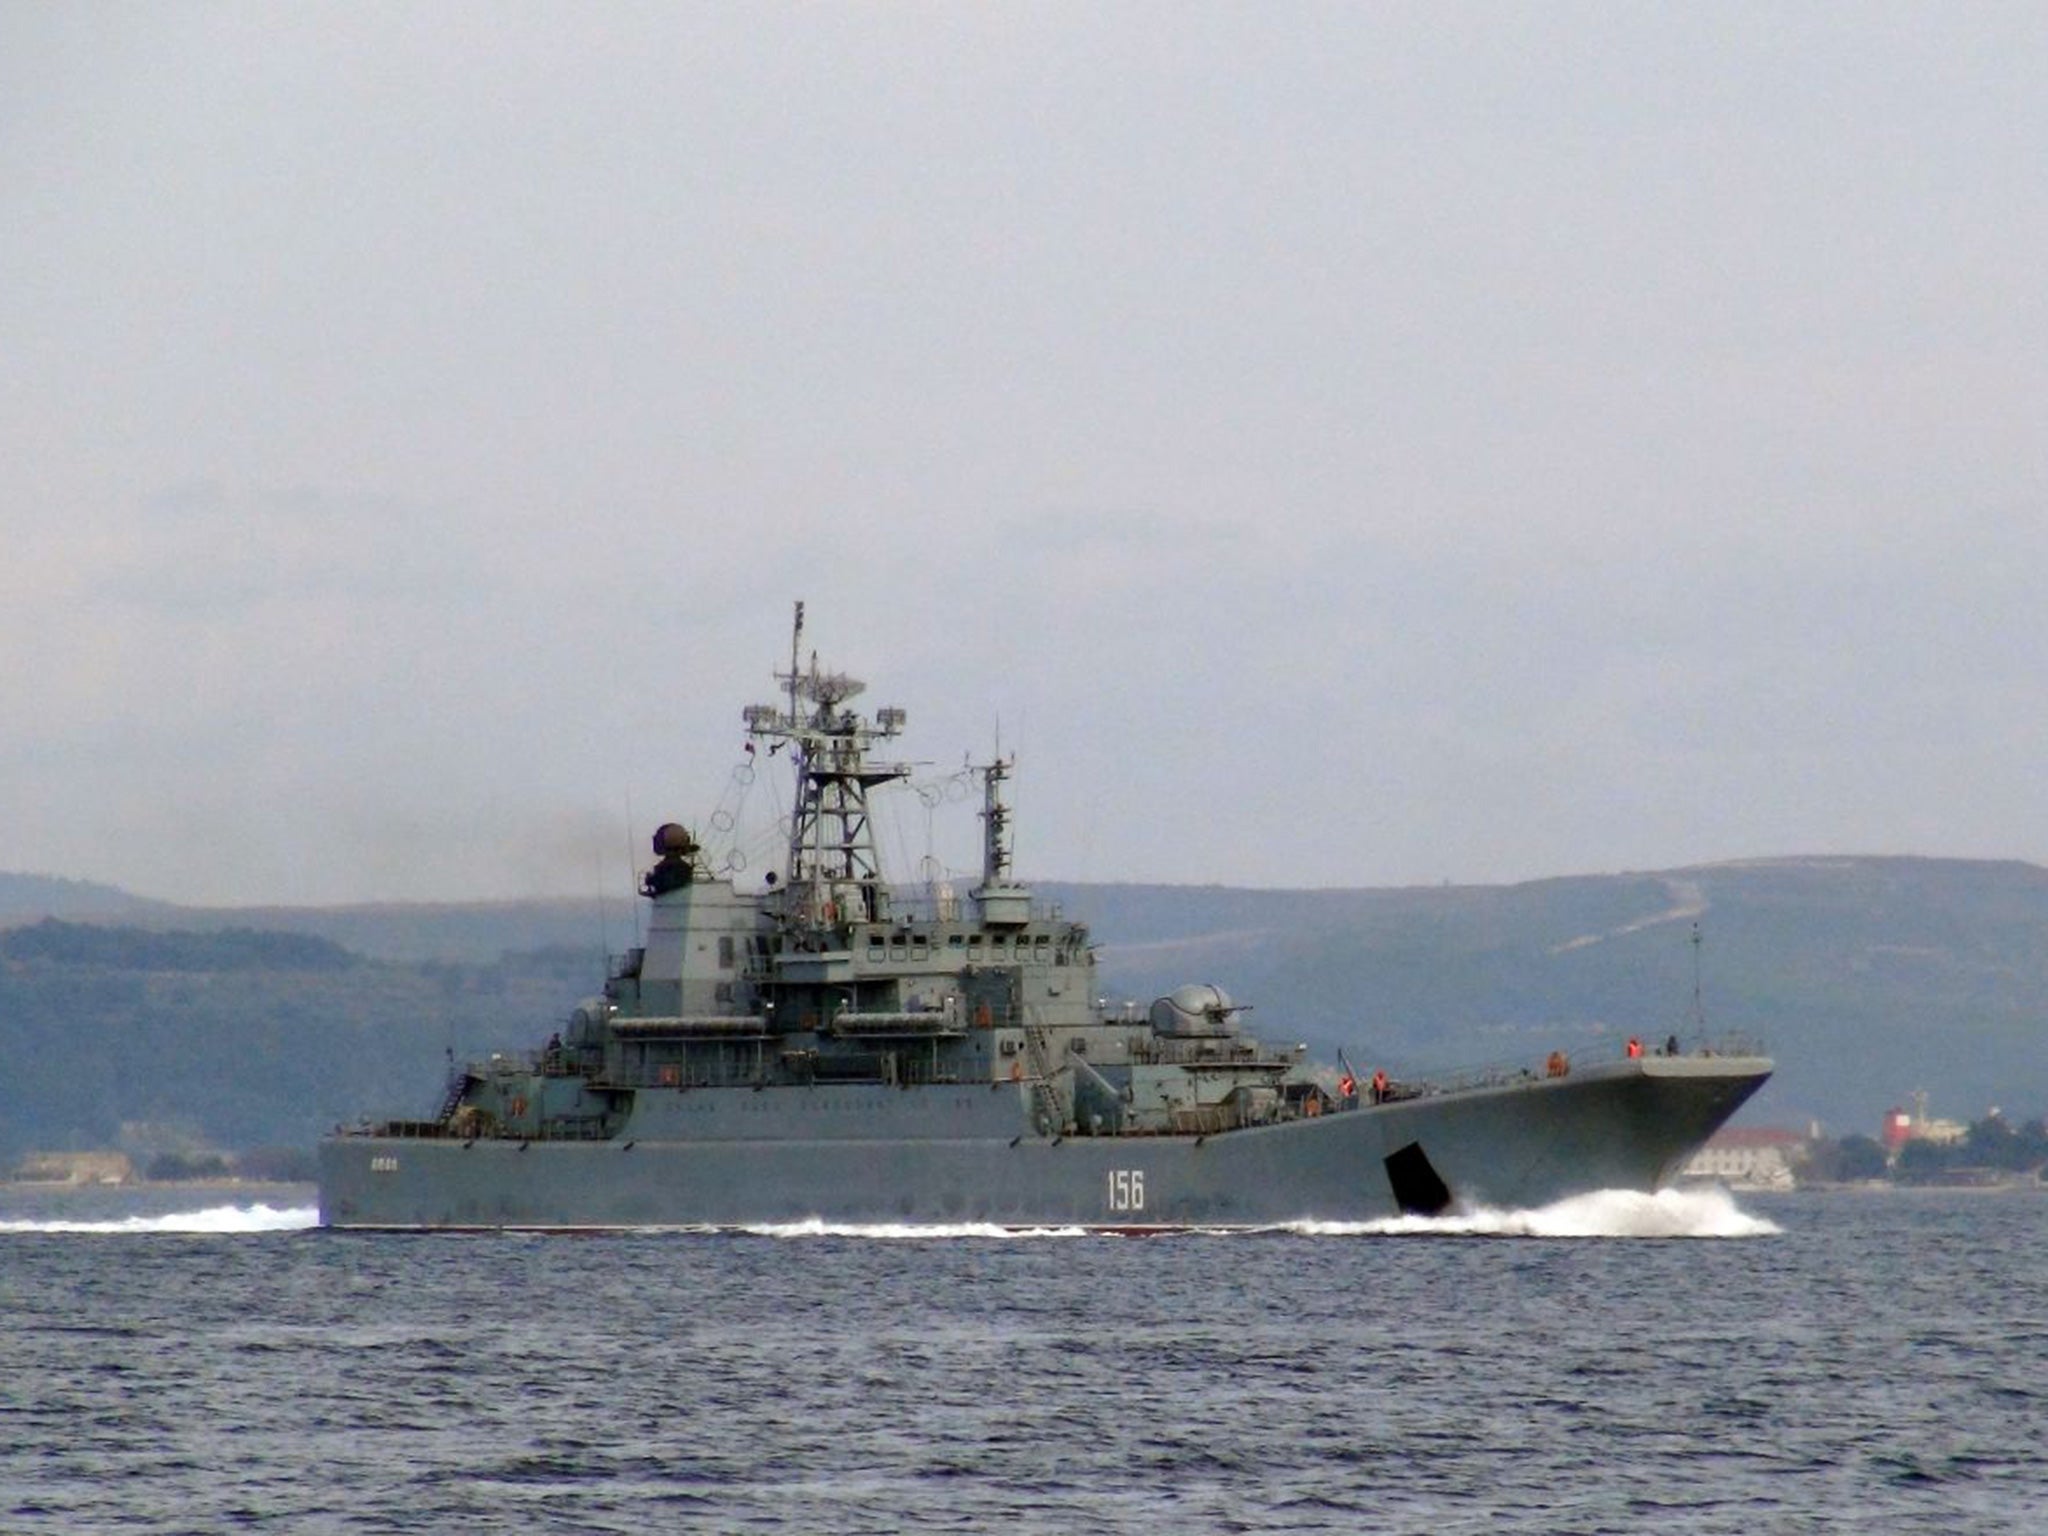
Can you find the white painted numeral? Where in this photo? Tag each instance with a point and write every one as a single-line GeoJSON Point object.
{"type": "Point", "coordinates": [383, 1164]}
{"type": "Point", "coordinates": [1127, 1189]}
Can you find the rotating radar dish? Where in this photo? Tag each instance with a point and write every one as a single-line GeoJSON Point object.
{"type": "Point", "coordinates": [829, 688]}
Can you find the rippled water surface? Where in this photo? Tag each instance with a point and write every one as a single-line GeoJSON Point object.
{"type": "Point", "coordinates": [1690, 1364]}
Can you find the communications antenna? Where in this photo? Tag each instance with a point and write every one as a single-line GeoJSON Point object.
{"type": "Point", "coordinates": [1699, 1011]}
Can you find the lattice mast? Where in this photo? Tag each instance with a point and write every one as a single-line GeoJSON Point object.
{"type": "Point", "coordinates": [833, 874]}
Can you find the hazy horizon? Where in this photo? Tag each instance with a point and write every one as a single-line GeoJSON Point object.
{"type": "Point", "coordinates": [1331, 446]}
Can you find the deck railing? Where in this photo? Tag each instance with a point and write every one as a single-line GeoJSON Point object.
{"type": "Point", "coordinates": [1500, 1074]}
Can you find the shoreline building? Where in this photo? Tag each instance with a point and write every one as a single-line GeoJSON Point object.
{"type": "Point", "coordinates": [1749, 1157]}
{"type": "Point", "coordinates": [1902, 1125]}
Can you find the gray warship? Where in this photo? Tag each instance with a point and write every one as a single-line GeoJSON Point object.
{"type": "Point", "coordinates": [829, 1048]}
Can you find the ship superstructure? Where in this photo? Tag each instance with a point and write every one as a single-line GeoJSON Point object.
{"type": "Point", "coordinates": [826, 1046]}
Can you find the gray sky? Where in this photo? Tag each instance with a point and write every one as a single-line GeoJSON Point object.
{"type": "Point", "coordinates": [1340, 445]}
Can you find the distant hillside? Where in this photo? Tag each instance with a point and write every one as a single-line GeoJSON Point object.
{"type": "Point", "coordinates": [1867, 978]}
{"type": "Point", "coordinates": [245, 1039]}
{"type": "Point", "coordinates": [24, 898]}
{"type": "Point", "coordinates": [84, 947]}
{"type": "Point", "coordinates": [443, 931]}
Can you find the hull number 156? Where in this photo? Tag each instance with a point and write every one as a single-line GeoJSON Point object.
{"type": "Point", "coordinates": [1127, 1189]}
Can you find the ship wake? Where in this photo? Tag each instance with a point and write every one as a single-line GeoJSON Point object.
{"type": "Point", "coordinates": [212, 1220]}
{"type": "Point", "coordinates": [1699, 1212]}
{"type": "Point", "coordinates": [896, 1231]}
{"type": "Point", "coordinates": [1614, 1213]}
{"type": "Point", "coordinates": [1670, 1213]}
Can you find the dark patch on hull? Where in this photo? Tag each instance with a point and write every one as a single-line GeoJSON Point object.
{"type": "Point", "coordinates": [1418, 1189]}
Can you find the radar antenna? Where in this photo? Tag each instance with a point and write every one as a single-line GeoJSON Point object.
{"type": "Point", "coordinates": [834, 873]}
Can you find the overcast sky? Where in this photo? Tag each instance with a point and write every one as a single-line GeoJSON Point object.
{"type": "Point", "coordinates": [1338, 445]}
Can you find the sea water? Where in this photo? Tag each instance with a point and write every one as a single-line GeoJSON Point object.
{"type": "Point", "coordinates": [1688, 1362]}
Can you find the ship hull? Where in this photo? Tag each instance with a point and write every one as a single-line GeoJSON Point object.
{"type": "Point", "coordinates": [954, 1154]}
